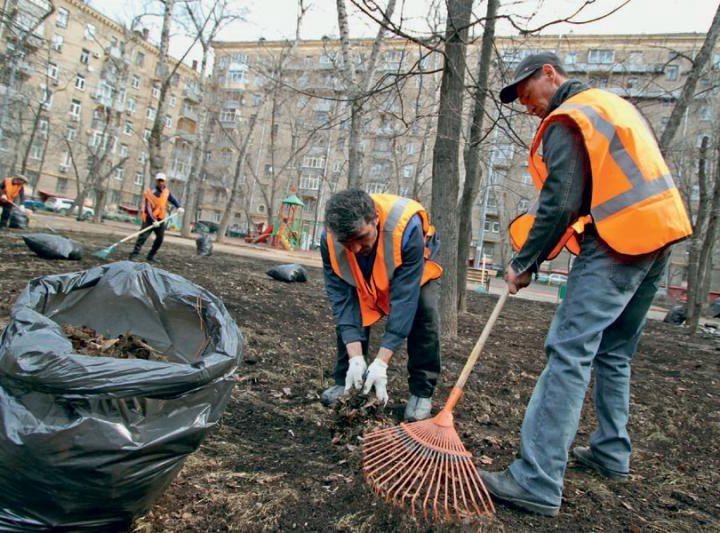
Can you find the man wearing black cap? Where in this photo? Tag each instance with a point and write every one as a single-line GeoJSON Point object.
{"type": "Point", "coordinates": [12, 195]}
{"type": "Point", "coordinates": [605, 194]}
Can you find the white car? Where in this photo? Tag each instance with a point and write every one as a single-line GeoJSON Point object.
{"type": "Point", "coordinates": [557, 279]}
{"type": "Point", "coordinates": [61, 205]}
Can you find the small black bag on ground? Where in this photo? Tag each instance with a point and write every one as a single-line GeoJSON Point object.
{"type": "Point", "coordinates": [18, 219]}
{"type": "Point", "coordinates": [676, 316]}
{"type": "Point", "coordinates": [89, 442]}
{"type": "Point", "coordinates": [204, 245]}
{"type": "Point", "coordinates": [290, 272]}
{"type": "Point", "coordinates": [53, 246]}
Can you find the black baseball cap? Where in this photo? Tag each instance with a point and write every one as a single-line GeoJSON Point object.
{"type": "Point", "coordinates": [524, 70]}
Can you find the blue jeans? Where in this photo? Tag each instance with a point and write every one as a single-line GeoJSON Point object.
{"type": "Point", "coordinates": [597, 326]}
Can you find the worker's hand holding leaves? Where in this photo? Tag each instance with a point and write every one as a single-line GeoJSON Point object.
{"type": "Point", "coordinates": [377, 377]}
{"type": "Point", "coordinates": [355, 373]}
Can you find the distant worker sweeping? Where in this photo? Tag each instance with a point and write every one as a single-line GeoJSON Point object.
{"type": "Point", "coordinates": [378, 256]}
{"type": "Point", "coordinates": [607, 195]}
{"type": "Point", "coordinates": [153, 212]}
{"type": "Point", "coordinates": [12, 195]}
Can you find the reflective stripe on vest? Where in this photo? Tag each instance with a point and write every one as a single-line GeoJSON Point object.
{"type": "Point", "coordinates": [635, 205]}
{"type": "Point", "coordinates": [12, 191]}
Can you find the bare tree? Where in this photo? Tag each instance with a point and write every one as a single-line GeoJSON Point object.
{"type": "Point", "coordinates": [446, 156]}
{"type": "Point", "coordinates": [473, 174]}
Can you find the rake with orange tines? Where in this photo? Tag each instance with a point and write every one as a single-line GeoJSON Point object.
{"type": "Point", "coordinates": [424, 465]}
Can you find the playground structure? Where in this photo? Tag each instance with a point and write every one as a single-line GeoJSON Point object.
{"type": "Point", "coordinates": [287, 234]}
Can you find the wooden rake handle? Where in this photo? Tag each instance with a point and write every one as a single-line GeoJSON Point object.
{"type": "Point", "coordinates": [457, 390]}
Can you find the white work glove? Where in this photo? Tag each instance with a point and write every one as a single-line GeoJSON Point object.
{"type": "Point", "coordinates": [21, 208]}
{"type": "Point", "coordinates": [377, 377]}
{"type": "Point", "coordinates": [355, 373]}
{"type": "Point", "coordinates": [3, 198]}
{"type": "Point", "coordinates": [157, 223]}
{"type": "Point", "coordinates": [180, 210]}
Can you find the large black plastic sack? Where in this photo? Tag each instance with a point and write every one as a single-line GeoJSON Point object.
{"type": "Point", "coordinates": [676, 316]}
{"type": "Point", "coordinates": [90, 442]}
{"type": "Point", "coordinates": [204, 245]}
{"type": "Point", "coordinates": [289, 272]}
{"type": "Point", "coordinates": [18, 219]}
{"type": "Point", "coordinates": [53, 246]}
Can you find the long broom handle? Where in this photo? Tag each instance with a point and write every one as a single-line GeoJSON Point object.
{"type": "Point", "coordinates": [477, 350]}
{"type": "Point", "coordinates": [141, 231]}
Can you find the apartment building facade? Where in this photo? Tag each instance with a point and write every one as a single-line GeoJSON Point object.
{"type": "Point", "coordinates": [86, 97]}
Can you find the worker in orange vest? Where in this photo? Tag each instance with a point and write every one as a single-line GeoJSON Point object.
{"type": "Point", "coordinates": [607, 195]}
{"type": "Point", "coordinates": [378, 257]}
{"type": "Point", "coordinates": [153, 211]}
{"type": "Point", "coordinates": [12, 191]}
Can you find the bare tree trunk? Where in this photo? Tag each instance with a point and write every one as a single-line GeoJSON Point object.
{"type": "Point", "coordinates": [230, 207]}
{"type": "Point", "coordinates": [688, 91]}
{"type": "Point", "coordinates": [696, 239]}
{"type": "Point", "coordinates": [445, 171]}
{"type": "Point", "coordinates": [472, 153]}
{"type": "Point", "coordinates": [33, 132]}
{"type": "Point", "coordinates": [157, 160]}
{"type": "Point", "coordinates": [704, 260]}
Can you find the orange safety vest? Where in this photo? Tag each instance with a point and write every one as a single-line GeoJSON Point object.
{"type": "Point", "coordinates": [158, 204]}
{"type": "Point", "coordinates": [394, 213]}
{"type": "Point", "coordinates": [12, 191]}
{"type": "Point", "coordinates": [635, 205]}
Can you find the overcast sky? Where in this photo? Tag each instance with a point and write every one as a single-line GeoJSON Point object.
{"type": "Point", "coordinates": [276, 19]}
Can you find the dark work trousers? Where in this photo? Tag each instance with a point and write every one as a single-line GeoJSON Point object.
{"type": "Point", "coordinates": [423, 345]}
{"type": "Point", "coordinates": [157, 243]}
{"type": "Point", "coordinates": [5, 217]}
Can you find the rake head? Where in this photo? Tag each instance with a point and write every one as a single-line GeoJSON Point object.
{"type": "Point", "coordinates": [425, 466]}
{"type": "Point", "coordinates": [105, 252]}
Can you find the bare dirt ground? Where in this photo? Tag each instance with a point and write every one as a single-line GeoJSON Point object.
{"type": "Point", "coordinates": [280, 461]}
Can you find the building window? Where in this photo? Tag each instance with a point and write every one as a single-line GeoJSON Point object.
{"type": "Point", "coordinates": [123, 150]}
{"type": "Point", "coordinates": [705, 113]}
{"type": "Point", "coordinates": [128, 130]}
{"type": "Point", "coordinates": [236, 75]}
{"type": "Point", "coordinates": [43, 126]}
{"type": "Point", "coordinates": [635, 58]}
{"type": "Point", "coordinates": [492, 227]}
{"type": "Point", "coordinates": [527, 179]}
{"type": "Point", "coordinates": [61, 185]}
{"type": "Point", "coordinates": [227, 115]}
{"type": "Point", "coordinates": [173, 101]}
{"type": "Point", "coordinates": [135, 83]}
{"type": "Point", "coordinates": [57, 43]}
{"type": "Point", "coordinates": [36, 151]}
{"type": "Point", "coordinates": [139, 59]}
{"type": "Point", "coordinates": [75, 107]}
{"type": "Point", "coordinates": [504, 153]}
{"type": "Point", "coordinates": [146, 135]}
{"type": "Point", "coordinates": [410, 149]}
{"type": "Point", "coordinates": [156, 92]}
{"type": "Point", "coordinates": [311, 183]}
{"type": "Point", "coordinates": [80, 82]}
{"type": "Point", "coordinates": [240, 58]}
{"type": "Point", "coordinates": [71, 133]}
{"type": "Point", "coordinates": [571, 58]}
{"type": "Point", "coordinates": [168, 121]}
{"type": "Point", "coordinates": [84, 56]}
{"type": "Point", "coordinates": [150, 113]}
{"type": "Point", "coordinates": [131, 104]}
{"type": "Point", "coordinates": [313, 162]}
{"type": "Point", "coordinates": [119, 173]}
{"type": "Point", "coordinates": [672, 72]}
{"type": "Point", "coordinates": [63, 15]}
{"type": "Point", "coordinates": [139, 178]}
{"type": "Point", "coordinates": [408, 171]}
{"type": "Point", "coordinates": [601, 57]}
{"type": "Point", "coordinates": [90, 31]}
{"type": "Point", "coordinates": [633, 83]}
{"type": "Point", "coordinates": [375, 187]}
{"type": "Point", "coordinates": [523, 204]}
{"type": "Point", "coordinates": [52, 71]}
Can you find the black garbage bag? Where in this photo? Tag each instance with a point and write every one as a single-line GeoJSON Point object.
{"type": "Point", "coordinates": [290, 272]}
{"type": "Point", "coordinates": [18, 219]}
{"type": "Point", "coordinates": [715, 308]}
{"type": "Point", "coordinates": [204, 245]}
{"type": "Point", "coordinates": [90, 442]}
{"type": "Point", "coordinates": [53, 246]}
{"type": "Point", "coordinates": [677, 315]}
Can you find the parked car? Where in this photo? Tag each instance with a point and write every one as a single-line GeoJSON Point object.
{"type": "Point", "coordinates": [557, 279]}
{"type": "Point", "coordinates": [34, 203]}
{"type": "Point", "coordinates": [61, 205]}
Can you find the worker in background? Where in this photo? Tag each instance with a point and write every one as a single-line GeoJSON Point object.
{"type": "Point", "coordinates": [377, 256]}
{"type": "Point", "coordinates": [12, 191]}
{"type": "Point", "coordinates": [153, 212]}
{"type": "Point", "coordinates": [606, 194]}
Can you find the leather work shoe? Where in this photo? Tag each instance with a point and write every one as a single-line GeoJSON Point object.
{"type": "Point", "coordinates": [504, 487]}
{"type": "Point", "coordinates": [417, 408]}
{"type": "Point", "coordinates": [585, 457]}
{"type": "Point", "coordinates": [330, 396]}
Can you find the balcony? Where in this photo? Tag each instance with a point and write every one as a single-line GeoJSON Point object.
{"type": "Point", "coordinates": [615, 68]}
{"type": "Point", "coordinates": [186, 112]}
{"type": "Point", "coordinates": [192, 94]}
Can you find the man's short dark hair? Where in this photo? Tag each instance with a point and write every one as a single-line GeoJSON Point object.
{"type": "Point", "coordinates": [347, 211]}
